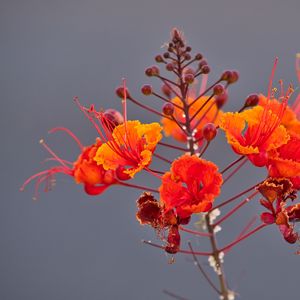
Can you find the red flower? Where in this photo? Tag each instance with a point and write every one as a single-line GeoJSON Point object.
{"type": "Point", "coordinates": [276, 192]}
{"type": "Point", "coordinates": [84, 170]}
{"type": "Point", "coordinates": [191, 186]}
{"type": "Point", "coordinates": [285, 161]}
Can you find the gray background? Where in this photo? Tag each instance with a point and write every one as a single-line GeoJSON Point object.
{"type": "Point", "coordinates": [70, 246]}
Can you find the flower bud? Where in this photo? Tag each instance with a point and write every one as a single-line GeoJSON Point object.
{"type": "Point", "coordinates": [205, 69]}
{"type": "Point", "coordinates": [159, 59]}
{"type": "Point", "coordinates": [170, 67]}
{"type": "Point", "coordinates": [218, 89]}
{"type": "Point", "coordinates": [166, 91]}
{"type": "Point", "coordinates": [189, 78]}
{"type": "Point", "coordinates": [198, 56]}
{"type": "Point", "coordinates": [152, 71]}
{"type": "Point", "coordinates": [187, 56]}
{"type": "Point", "coordinates": [251, 100]}
{"type": "Point", "coordinates": [234, 77]}
{"type": "Point", "coordinates": [209, 131]}
{"type": "Point", "coordinates": [202, 63]}
{"type": "Point", "coordinates": [166, 55]}
{"type": "Point", "coordinates": [120, 92]}
{"type": "Point", "coordinates": [146, 89]}
{"type": "Point", "coordinates": [220, 100]}
{"type": "Point", "coordinates": [226, 75]}
{"type": "Point", "coordinates": [168, 109]}
{"type": "Point", "coordinates": [113, 117]}
{"type": "Point", "coordinates": [188, 49]}
{"type": "Point", "coordinates": [155, 71]}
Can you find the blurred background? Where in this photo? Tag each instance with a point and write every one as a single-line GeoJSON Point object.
{"type": "Point", "coordinates": [67, 245]}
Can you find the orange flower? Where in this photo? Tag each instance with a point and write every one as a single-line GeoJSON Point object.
{"type": "Point", "coordinates": [129, 145]}
{"type": "Point", "coordinates": [285, 161]}
{"type": "Point", "coordinates": [255, 132]}
{"type": "Point", "coordinates": [191, 186]}
{"type": "Point", "coordinates": [206, 116]}
{"type": "Point", "coordinates": [290, 120]}
{"type": "Point", "coordinates": [84, 170]}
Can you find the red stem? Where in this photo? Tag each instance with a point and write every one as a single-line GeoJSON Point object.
{"type": "Point", "coordinates": [140, 187]}
{"type": "Point", "coordinates": [236, 197]}
{"type": "Point", "coordinates": [180, 251]}
{"type": "Point", "coordinates": [235, 209]}
{"type": "Point", "coordinates": [194, 232]}
{"type": "Point", "coordinates": [232, 164]}
{"type": "Point", "coordinates": [243, 237]}
{"type": "Point", "coordinates": [171, 146]}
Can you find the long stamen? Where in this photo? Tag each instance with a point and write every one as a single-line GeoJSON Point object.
{"type": "Point", "coordinates": [42, 142]}
{"type": "Point", "coordinates": [70, 133]}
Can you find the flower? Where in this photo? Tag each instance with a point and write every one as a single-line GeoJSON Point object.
{"type": "Point", "coordinates": [84, 170]}
{"type": "Point", "coordinates": [285, 161]}
{"type": "Point", "coordinates": [276, 192]}
{"type": "Point", "coordinates": [204, 116]}
{"type": "Point", "coordinates": [256, 131]}
{"type": "Point", "coordinates": [191, 186]}
{"type": "Point", "coordinates": [130, 144]}
{"type": "Point", "coordinates": [151, 212]}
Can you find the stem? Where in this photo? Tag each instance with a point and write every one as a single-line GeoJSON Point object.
{"type": "Point", "coordinates": [215, 253]}
{"type": "Point", "coordinates": [138, 187]}
{"type": "Point", "coordinates": [179, 251]}
{"type": "Point", "coordinates": [243, 237]}
{"type": "Point", "coordinates": [194, 232]}
{"type": "Point", "coordinates": [235, 209]}
{"type": "Point", "coordinates": [197, 263]}
{"type": "Point", "coordinates": [236, 196]}
{"type": "Point", "coordinates": [171, 146]}
{"type": "Point", "coordinates": [232, 164]}
{"type": "Point", "coordinates": [148, 108]}
{"type": "Point", "coordinates": [162, 158]}
{"type": "Point", "coordinates": [175, 296]}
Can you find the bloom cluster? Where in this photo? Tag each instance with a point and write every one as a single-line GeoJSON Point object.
{"type": "Point", "coordinates": [265, 131]}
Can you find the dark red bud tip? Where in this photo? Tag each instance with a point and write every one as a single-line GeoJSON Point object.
{"type": "Point", "coordinates": [218, 89]}
{"type": "Point", "coordinates": [187, 57]}
{"type": "Point", "coordinates": [166, 91]}
{"type": "Point", "coordinates": [159, 59]}
{"type": "Point", "coordinates": [226, 75]}
{"type": "Point", "coordinates": [221, 99]}
{"type": "Point", "coordinates": [166, 55]}
{"type": "Point", "coordinates": [251, 100]}
{"type": "Point", "coordinates": [209, 131]}
{"type": "Point", "coordinates": [146, 89]}
{"type": "Point", "coordinates": [202, 64]}
{"type": "Point", "coordinates": [120, 92]}
{"type": "Point", "coordinates": [148, 72]}
{"type": "Point", "coordinates": [234, 77]}
{"type": "Point", "coordinates": [152, 71]}
{"type": "Point", "coordinates": [205, 69]}
{"type": "Point", "coordinates": [189, 78]}
{"type": "Point", "coordinates": [113, 117]}
{"type": "Point", "coordinates": [155, 70]}
{"type": "Point", "coordinates": [259, 159]}
{"type": "Point", "coordinates": [170, 67]}
{"type": "Point", "coordinates": [168, 109]}
{"type": "Point", "coordinates": [188, 49]}
{"type": "Point", "coordinates": [198, 56]}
